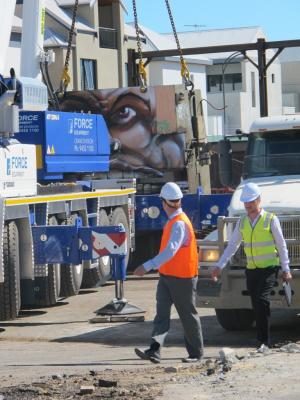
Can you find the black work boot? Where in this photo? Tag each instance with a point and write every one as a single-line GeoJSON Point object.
{"type": "Point", "coordinates": [149, 354]}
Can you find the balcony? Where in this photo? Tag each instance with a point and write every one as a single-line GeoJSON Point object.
{"type": "Point", "coordinates": [108, 38]}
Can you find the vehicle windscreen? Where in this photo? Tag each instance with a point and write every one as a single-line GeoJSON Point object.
{"type": "Point", "coordinates": [272, 153]}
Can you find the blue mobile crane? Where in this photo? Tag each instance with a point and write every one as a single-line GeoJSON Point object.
{"type": "Point", "coordinates": [52, 206]}
{"type": "Point", "coordinates": [58, 173]}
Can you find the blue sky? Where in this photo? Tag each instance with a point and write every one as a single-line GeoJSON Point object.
{"type": "Point", "coordinates": [278, 18]}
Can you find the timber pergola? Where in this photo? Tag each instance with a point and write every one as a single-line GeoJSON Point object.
{"type": "Point", "coordinates": [262, 65]}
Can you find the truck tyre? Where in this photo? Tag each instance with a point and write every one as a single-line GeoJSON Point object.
{"type": "Point", "coordinates": [71, 274]}
{"type": "Point", "coordinates": [235, 319]}
{"type": "Point", "coordinates": [10, 296]}
{"type": "Point", "coordinates": [47, 288]}
{"type": "Point", "coordinates": [119, 218]}
{"type": "Point", "coordinates": [100, 273]}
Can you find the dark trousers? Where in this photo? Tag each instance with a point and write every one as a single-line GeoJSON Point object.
{"type": "Point", "coordinates": [260, 282]}
{"type": "Point", "coordinates": [182, 293]}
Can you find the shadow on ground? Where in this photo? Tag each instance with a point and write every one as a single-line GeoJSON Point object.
{"type": "Point", "coordinates": [284, 329]}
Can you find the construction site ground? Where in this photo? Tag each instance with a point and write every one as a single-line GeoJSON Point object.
{"type": "Point", "coordinates": [56, 353]}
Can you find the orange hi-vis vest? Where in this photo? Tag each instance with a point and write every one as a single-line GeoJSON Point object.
{"type": "Point", "coordinates": [184, 264]}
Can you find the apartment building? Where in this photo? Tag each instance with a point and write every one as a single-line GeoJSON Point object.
{"type": "Point", "coordinates": [232, 80]}
{"type": "Point", "coordinates": [228, 81]}
{"type": "Point", "coordinates": [290, 64]}
{"type": "Point", "coordinates": [97, 54]}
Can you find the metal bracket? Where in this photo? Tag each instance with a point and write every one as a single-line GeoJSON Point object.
{"type": "Point", "coordinates": [74, 244]}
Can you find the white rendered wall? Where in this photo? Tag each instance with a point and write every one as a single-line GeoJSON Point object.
{"type": "Point", "coordinates": [168, 73]}
{"type": "Point", "coordinates": [241, 111]}
{"type": "Point", "coordinates": [274, 89]}
{"type": "Point", "coordinates": [13, 58]}
{"type": "Point", "coordinates": [291, 84]}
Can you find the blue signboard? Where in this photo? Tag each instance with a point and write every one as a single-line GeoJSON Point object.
{"type": "Point", "coordinates": [66, 142]}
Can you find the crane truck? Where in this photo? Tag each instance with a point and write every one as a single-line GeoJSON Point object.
{"type": "Point", "coordinates": [160, 136]}
{"type": "Point", "coordinates": [272, 162]}
{"type": "Point", "coordinates": [52, 205]}
{"type": "Point", "coordinates": [59, 171]}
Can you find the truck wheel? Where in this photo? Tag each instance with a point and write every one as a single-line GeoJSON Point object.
{"type": "Point", "coordinates": [119, 218]}
{"type": "Point", "coordinates": [235, 319]}
{"type": "Point", "coordinates": [71, 275]}
{"type": "Point", "coordinates": [47, 288]}
{"type": "Point", "coordinates": [100, 273]}
{"type": "Point", "coordinates": [10, 297]}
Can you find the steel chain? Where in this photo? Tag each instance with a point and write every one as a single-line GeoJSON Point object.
{"type": "Point", "coordinates": [142, 70]}
{"type": "Point", "coordinates": [185, 73]}
{"type": "Point", "coordinates": [65, 79]}
{"type": "Point", "coordinates": [71, 32]}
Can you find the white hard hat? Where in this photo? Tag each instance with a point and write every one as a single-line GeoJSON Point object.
{"type": "Point", "coordinates": [250, 192]}
{"type": "Point", "coordinates": [171, 191]}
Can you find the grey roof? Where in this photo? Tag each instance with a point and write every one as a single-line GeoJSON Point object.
{"type": "Point", "coordinates": [65, 18]}
{"type": "Point", "coordinates": [69, 3]}
{"type": "Point", "coordinates": [219, 37]}
{"type": "Point", "coordinates": [60, 15]}
{"type": "Point", "coordinates": [158, 41]}
{"type": "Point", "coordinates": [129, 30]}
{"type": "Point", "coordinates": [53, 39]}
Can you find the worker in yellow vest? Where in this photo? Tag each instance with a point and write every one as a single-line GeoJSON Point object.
{"type": "Point", "coordinates": [177, 263]}
{"type": "Point", "coordinates": [265, 250]}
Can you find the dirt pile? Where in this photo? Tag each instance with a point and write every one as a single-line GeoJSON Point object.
{"type": "Point", "coordinates": [142, 384]}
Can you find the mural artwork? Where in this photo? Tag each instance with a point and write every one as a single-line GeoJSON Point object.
{"type": "Point", "coordinates": [144, 125]}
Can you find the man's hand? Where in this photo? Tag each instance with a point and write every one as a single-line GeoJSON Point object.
{"type": "Point", "coordinates": [215, 273]}
{"type": "Point", "coordinates": [139, 271]}
{"type": "Point", "coordinates": [286, 276]}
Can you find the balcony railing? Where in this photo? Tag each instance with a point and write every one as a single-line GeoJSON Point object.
{"type": "Point", "coordinates": [108, 38]}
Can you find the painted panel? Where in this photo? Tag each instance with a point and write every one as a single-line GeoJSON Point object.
{"type": "Point", "coordinates": [148, 126]}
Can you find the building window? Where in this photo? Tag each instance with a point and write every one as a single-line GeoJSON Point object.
{"type": "Point", "coordinates": [273, 78]}
{"type": "Point", "coordinates": [214, 83]}
{"type": "Point", "coordinates": [108, 38]}
{"type": "Point", "coordinates": [88, 74]}
{"type": "Point", "coordinates": [15, 37]}
{"type": "Point", "coordinates": [232, 82]}
{"type": "Point", "coordinates": [108, 26]}
{"type": "Point", "coordinates": [253, 92]}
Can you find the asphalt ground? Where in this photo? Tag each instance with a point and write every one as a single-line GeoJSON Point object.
{"type": "Point", "coordinates": [61, 340]}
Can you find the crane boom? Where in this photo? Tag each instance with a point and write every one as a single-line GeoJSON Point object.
{"type": "Point", "coordinates": [7, 15]}
{"type": "Point", "coordinates": [32, 37]}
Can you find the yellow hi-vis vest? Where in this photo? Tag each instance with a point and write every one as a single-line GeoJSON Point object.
{"type": "Point", "coordinates": [259, 245]}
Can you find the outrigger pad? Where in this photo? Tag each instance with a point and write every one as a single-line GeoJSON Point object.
{"type": "Point", "coordinates": [119, 307]}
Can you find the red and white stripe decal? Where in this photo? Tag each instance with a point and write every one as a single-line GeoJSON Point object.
{"type": "Point", "coordinates": [105, 244]}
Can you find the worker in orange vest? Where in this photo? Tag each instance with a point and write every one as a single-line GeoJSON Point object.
{"type": "Point", "coordinates": [177, 263]}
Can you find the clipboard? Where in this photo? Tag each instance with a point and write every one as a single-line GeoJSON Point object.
{"type": "Point", "coordinates": [287, 293]}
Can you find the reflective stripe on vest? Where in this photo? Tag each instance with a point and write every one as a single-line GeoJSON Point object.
{"type": "Point", "coordinates": [184, 264]}
{"type": "Point", "coordinates": [259, 245]}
